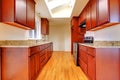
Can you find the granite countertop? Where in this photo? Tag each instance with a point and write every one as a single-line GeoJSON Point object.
{"type": "Point", "coordinates": [99, 46]}
{"type": "Point", "coordinates": [26, 45]}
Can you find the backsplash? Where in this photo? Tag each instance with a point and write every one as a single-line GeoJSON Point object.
{"type": "Point", "coordinates": [107, 43]}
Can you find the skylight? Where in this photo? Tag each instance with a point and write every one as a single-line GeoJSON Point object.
{"type": "Point", "coordinates": [60, 8]}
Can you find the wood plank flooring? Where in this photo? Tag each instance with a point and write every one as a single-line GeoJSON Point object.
{"type": "Point", "coordinates": [61, 67]}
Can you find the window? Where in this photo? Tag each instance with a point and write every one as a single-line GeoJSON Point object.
{"type": "Point", "coordinates": [36, 33]}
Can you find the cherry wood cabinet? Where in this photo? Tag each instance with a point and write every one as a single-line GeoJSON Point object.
{"type": "Point", "coordinates": [0, 64]}
{"type": "Point", "coordinates": [24, 63]}
{"type": "Point", "coordinates": [93, 6]}
{"type": "Point", "coordinates": [0, 10]}
{"type": "Point", "coordinates": [91, 67]}
{"type": "Point", "coordinates": [83, 59]}
{"type": "Point", "coordinates": [91, 63]}
{"type": "Point", "coordinates": [75, 24]}
{"type": "Point", "coordinates": [77, 33]}
{"type": "Point", "coordinates": [108, 11]}
{"type": "Point", "coordinates": [44, 26]}
{"type": "Point", "coordinates": [108, 64]}
{"type": "Point", "coordinates": [88, 17]}
{"type": "Point", "coordinates": [103, 11]}
{"type": "Point", "coordinates": [19, 13]}
{"type": "Point", "coordinates": [100, 63]}
{"type": "Point", "coordinates": [100, 14]}
{"type": "Point", "coordinates": [31, 14]}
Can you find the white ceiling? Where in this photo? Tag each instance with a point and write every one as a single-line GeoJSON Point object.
{"type": "Point", "coordinates": [42, 10]}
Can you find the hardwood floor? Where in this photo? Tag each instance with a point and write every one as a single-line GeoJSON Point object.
{"type": "Point", "coordinates": [61, 67]}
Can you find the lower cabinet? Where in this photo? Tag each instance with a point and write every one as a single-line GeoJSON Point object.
{"type": "Point", "coordinates": [24, 63]}
{"type": "Point", "coordinates": [91, 67]}
{"type": "Point", "coordinates": [0, 64]}
{"type": "Point", "coordinates": [100, 63]}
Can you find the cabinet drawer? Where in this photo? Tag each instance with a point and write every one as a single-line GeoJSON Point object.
{"type": "Point", "coordinates": [91, 51]}
{"type": "Point", "coordinates": [83, 47]}
{"type": "Point", "coordinates": [34, 50]}
{"type": "Point", "coordinates": [83, 56]}
{"type": "Point", "coordinates": [83, 66]}
{"type": "Point", "coordinates": [42, 47]}
{"type": "Point", "coordinates": [42, 54]}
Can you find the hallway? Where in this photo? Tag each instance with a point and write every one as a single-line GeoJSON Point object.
{"type": "Point", "coordinates": [61, 67]}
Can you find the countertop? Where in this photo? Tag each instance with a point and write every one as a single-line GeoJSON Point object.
{"type": "Point", "coordinates": [28, 45]}
{"type": "Point", "coordinates": [98, 46]}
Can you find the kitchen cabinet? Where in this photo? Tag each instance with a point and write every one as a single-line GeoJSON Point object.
{"type": "Point", "coordinates": [88, 17]}
{"type": "Point", "coordinates": [0, 64]}
{"type": "Point", "coordinates": [17, 13]}
{"type": "Point", "coordinates": [76, 37]}
{"type": "Point", "coordinates": [20, 11]}
{"type": "Point", "coordinates": [100, 63]}
{"type": "Point", "coordinates": [108, 64]}
{"type": "Point", "coordinates": [103, 11]}
{"type": "Point", "coordinates": [83, 59]}
{"type": "Point", "coordinates": [75, 24]}
{"type": "Point", "coordinates": [82, 16]}
{"type": "Point", "coordinates": [39, 58]}
{"type": "Point", "coordinates": [44, 26]}
{"type": "Point", "coordinates": [31, 14]}
{"type": "Point", "coordinates": [0, 10]}
{"type": "Point", "coordinates": [93, 6]}
{"type": "Point", "coordinates": [100, 14]}
{"type": "Point", "coordinates": [77, 33]}
{"type": "Point", "coordinates": [32, 67]}
{"type": "Point", "coordinates": [24, 63]}
{"type": "Point", "coordinates": [91, 63]}
{"type": "Point", "coordinates": [91, 67]}
{"type": "Point", "coordinates": [108, 11]}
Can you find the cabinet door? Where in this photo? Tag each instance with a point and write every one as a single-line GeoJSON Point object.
{"type": "Point", "coordinates": [37, 63]}
{"type": "Point", "coordinates": [91, 67]}
{"type": "Point", "coordinates": [0, 10]}
{"type": "Point", "coordinates": [20, 11]}
{"type": "Point", "coordinates": [0, 64]}
{"type": "Point", "coordinates": [44, 26]}
{"type": "Point", "coordinates": [103, 11]}
{"type": "Point", "coordinates": [83, 66]}
{"type": "Point", "coordinates": [31, 13]}
{"type": "Point", "coordinates": [32, 67]}
{"type": "Point", "coordinates": [88, 18]}
{"type": "Point", "coordinates": [47, 28]}
{"type": "Point", "coordinates": [93, 5]}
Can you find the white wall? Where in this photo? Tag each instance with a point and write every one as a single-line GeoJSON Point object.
{"type": "Point", "coordinates": [61, 36]}
{"type": "Point", "coordinates": [111, 33]}
{"type": "Point", "coordinates": [8, 32]}
{"type": "Point", "coordinates": [108, 34]}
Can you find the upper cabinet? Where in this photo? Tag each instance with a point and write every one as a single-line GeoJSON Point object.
{"type": "Point", "coordinates": [101, 14]}
{"type": "Point", "coordinates": [88, 17]}
{"type": "Point", "coordinates": [0, 10]}
{"type": "Point", "coordinates": [44, 26]}
{"type": "Point", "coordinates": [19, 8]}
{"type": "Point", "coordinates": [82, 16]}
{"type": "Point", "coordinates": [108, 11]}
{"type": "Point", "coordinates": [31, 13]}
{"type": "Point", "coordinates": [20, 13]}
{"type": "Point", "coordinates": [93, 7]}
{"type": "Point", "coordinates": [0, 64]}
{"type": "Point", "coordinates": [74, 23]}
